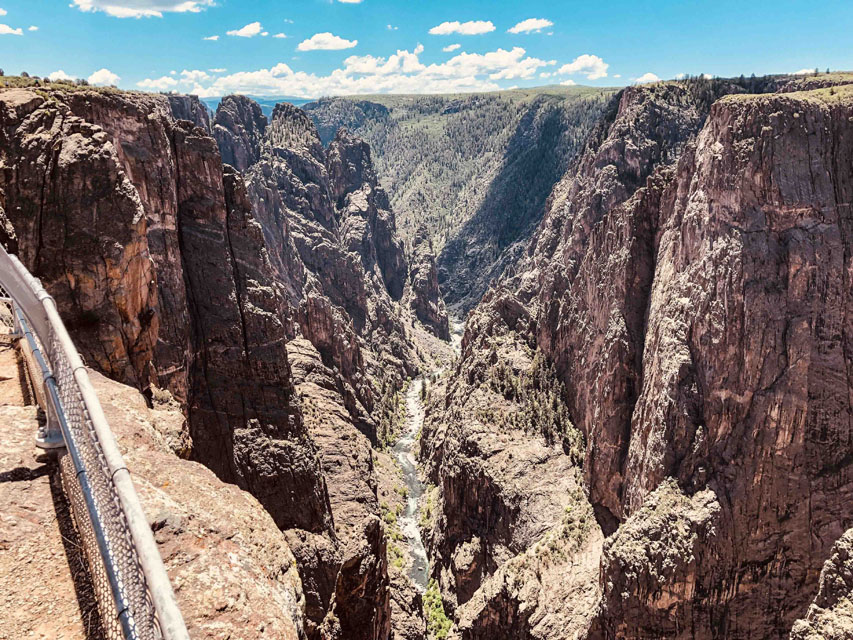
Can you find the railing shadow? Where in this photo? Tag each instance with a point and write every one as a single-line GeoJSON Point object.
{"type": "Point", "coordinates": [74, 554]}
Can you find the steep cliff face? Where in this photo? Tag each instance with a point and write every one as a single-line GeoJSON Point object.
{"type": "Point", "coordinates": [239, 128]}
{"type": "Point", "coordinates": [331, 239]}
{"type": "Point", "coordinates": [424, 294]}
{"type": "Point", "coordinates": [746, 387]}
{"type": "Point", "coordinates": [689, 283]}
{"type": "Point", "coordinates": [177, 276]}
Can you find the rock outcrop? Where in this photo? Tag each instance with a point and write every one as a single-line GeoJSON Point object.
{"type": "Point", "coordinates": [830, 616]}
{"type": "Point", "coordinates": [424, 294]}
{"type": "Point", "coordinates": [239, 127]}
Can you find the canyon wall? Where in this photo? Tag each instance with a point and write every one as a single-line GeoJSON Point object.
{"type": "Point", "coordinates": [202, 283]}
{"type": "Point", "coordinates": [688, 285]}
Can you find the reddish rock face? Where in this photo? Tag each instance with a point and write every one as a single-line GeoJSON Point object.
{"type": "Point", "coordinates": [690, 284]}
{"type": "Point", "coordinates": [190, 288]}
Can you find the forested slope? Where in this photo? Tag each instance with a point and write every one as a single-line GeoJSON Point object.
{"type": "Point", "coordinates": [473, 169]}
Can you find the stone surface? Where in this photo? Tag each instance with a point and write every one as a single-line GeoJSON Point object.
{"type": "Point", "coordinates": [424, 294]}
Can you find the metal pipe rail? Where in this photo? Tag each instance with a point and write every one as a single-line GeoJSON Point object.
{"type": "Point", "coordinates": [135, 597]}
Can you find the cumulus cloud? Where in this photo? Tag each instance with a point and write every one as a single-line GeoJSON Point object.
{"type": "Point", "coordinates": [530, 25]}
{"type": "Point", "coordinates": [568, 83]}
{"type": "Point", "coordinates": [220, 70]}
{"type": "Point", "coordinates": [327, 42]}
{"type": "Point", "coordinates": [452, 47]}
{"type": "Point", "coordinates": [104, 77]}
{"type": "Point", "coordinates": [249, 31]}
{"type": "Point", "coordinates": [803, 72]}
{"type": "Point", "coordinates": [470, 28]}
{"type": "Point", "coordinates": [33, 28]}
{"type": "Point", "coordinates": [196, 75]}
{"type": "Point", "coordinates": [280, 35]}
{"type": "Point", "coordinates": [391, 27]}
{"type": "Point", "coordinates": [157, 84]}
{"type": "Point", "coordinates": [646, 78]}
{"type": "Point", "coordinates": [6, 30]}
{"type": "Point", "coordinates": [3, 12]}
{"type": "Point", "coordinates": [59, 75]}
{"type": "Point", "coordinates": [214, 38]}
{"type": "Point", "coordinates": [591, 66]}
{"type": "Point", "coordinates": [142, 8]}
{"type": "Point", "coordinates": [400, 72]}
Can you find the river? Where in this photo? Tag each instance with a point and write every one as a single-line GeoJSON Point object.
{"type": "Point", "coordinates": [404, 453]}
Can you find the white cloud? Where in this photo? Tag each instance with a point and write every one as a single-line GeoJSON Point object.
{"type": "Point", "coordinates": [568, 83]}
{"type": "Point", "coordinates": [280, 35]}
{"type": "Point", "coordinates": [249, 31]}
{"type": "Point", "coordinates": [678, 76]}
{"type": "Point", "coordinates": [3, 12]}
{"type": "Point", "coordinates": [803, 72]}
{"type": "Point", "coordinates": [217, 70]}
{"type": "Point", "coordinates": [33, 28]}
{"type": "Point", "coordinates": [400, 72]}
{"type": "Point", "coordinates": [325, 41]}
{"type": "Point", "coordinates": [157, 84]}
{"type": "Point", "coordinates": [59, 75]}
{"type": "Point", "coordinates": [530, 25]}
{"type": "Point", "coordinates": [391, 27]}
{"type": "Point", "coordinates": [591, 66]}
{"type": "Point", "coordinates": [617, 75]}
{"type": "Point", "coordinates": [646, 78]}
{"type": "Point", "coordinates": [288, 21]}
{"type": "Point", "coordinates": [470, 28]}
{"type": "Point", "coordinates": [350, 1]}
{"type": "Point", "coordinates": [103, 76]}
{"type": "Point", "coordinates": [452, 47]}
{"type": "Point", "coordinates": [142, 8]}
{"type": "Point", "coordinates": [196, 75]}
{"type": "Point", "coordinates": [214, 38]}
{"type": "Point", "coordinates": [6, 30]}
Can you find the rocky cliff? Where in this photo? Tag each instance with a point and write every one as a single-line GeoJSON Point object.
{"type": "Point", "coordinates": [688, 285]}
{"type": "Point", "coordinates": [190, 280]}
{"type": "Point", "coordinates": [425, 297]}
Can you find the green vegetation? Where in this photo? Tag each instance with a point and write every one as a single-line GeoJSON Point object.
{"type": "Point", "coordinates": [442, 157]}
{"type": "Point", "coordinates": [393, 535]}
{"type": "Point", "coordinates": [428, 507]}
{"type": "Point", "coordinates": [438, 624]}
{"type": "Point", "coordinates": [391, 411]}
{"type": "Point", "coordinates": [539, 394]}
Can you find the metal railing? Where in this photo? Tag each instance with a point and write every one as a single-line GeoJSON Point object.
{"type": "Point", "coordinates": [134, 595]}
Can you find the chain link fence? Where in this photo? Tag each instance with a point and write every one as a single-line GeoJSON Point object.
{"type": "Point", "coordinates": [123, 560]}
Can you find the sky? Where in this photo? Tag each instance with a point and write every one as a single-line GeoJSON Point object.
{"type": "Point", "coordinates": [314, 48]}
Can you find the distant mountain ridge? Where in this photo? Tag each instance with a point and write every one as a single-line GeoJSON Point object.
{"type": "Point", "coordinates": [267, 104]}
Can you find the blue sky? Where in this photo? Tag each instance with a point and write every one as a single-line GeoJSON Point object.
{"type": "Point", "coordinates": [309, 48]}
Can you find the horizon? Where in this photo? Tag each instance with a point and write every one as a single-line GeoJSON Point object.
{"type": "Point", "coordinates": [326, 48]}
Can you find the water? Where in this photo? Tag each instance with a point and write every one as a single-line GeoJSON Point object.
{"type": "Point", "coordinates": [403, 452]}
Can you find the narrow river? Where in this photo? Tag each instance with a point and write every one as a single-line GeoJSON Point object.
{"type": "Point", "coordinates": [404, 453]}
{"type": "Point", "coordinates": [405, 456]}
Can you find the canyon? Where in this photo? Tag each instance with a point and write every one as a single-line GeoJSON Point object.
{"type": "Point", "coordinates": [607, 396]}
